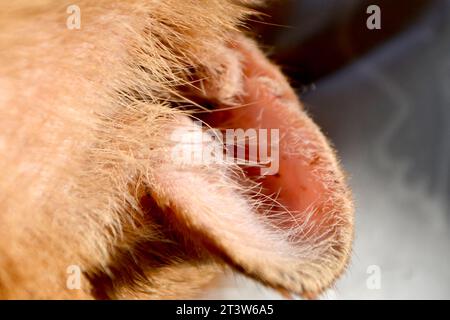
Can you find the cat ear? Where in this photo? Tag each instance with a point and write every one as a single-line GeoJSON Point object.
{"type": "Point", "coordinates": [300, 239]}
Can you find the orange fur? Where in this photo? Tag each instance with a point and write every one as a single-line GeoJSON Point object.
{"type": "Point", "coordinates": [85, 176]}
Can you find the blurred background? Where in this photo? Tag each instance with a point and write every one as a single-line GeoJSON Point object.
{"type": "Point", "coordinates": [382, 96]}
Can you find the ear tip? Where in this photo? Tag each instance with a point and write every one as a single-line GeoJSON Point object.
{"type": "Point", "coordinates": [315, 277]}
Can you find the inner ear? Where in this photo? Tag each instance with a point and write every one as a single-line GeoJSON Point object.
{"type": "Point", "coordinates": [295, 232]}
{"type": "Point", "coordinates": [309, 182]}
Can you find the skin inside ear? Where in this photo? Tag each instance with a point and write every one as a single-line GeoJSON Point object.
{"type": "Point", "coordinates": [301, 239]}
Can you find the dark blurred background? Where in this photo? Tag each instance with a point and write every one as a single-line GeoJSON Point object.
{"type": "Point", "coordinates": [383, 99]}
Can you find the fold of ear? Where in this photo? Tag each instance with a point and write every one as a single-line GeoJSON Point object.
{"type": "Point", "coordinates": [295, 232]}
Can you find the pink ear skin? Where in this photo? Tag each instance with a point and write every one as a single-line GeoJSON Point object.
{"type": "Point", "coordinates": [309, 175]}
{"type": "Point", "coordinates": [310, 183]}
{"type": "Point", "coordinates": [307, 245]}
